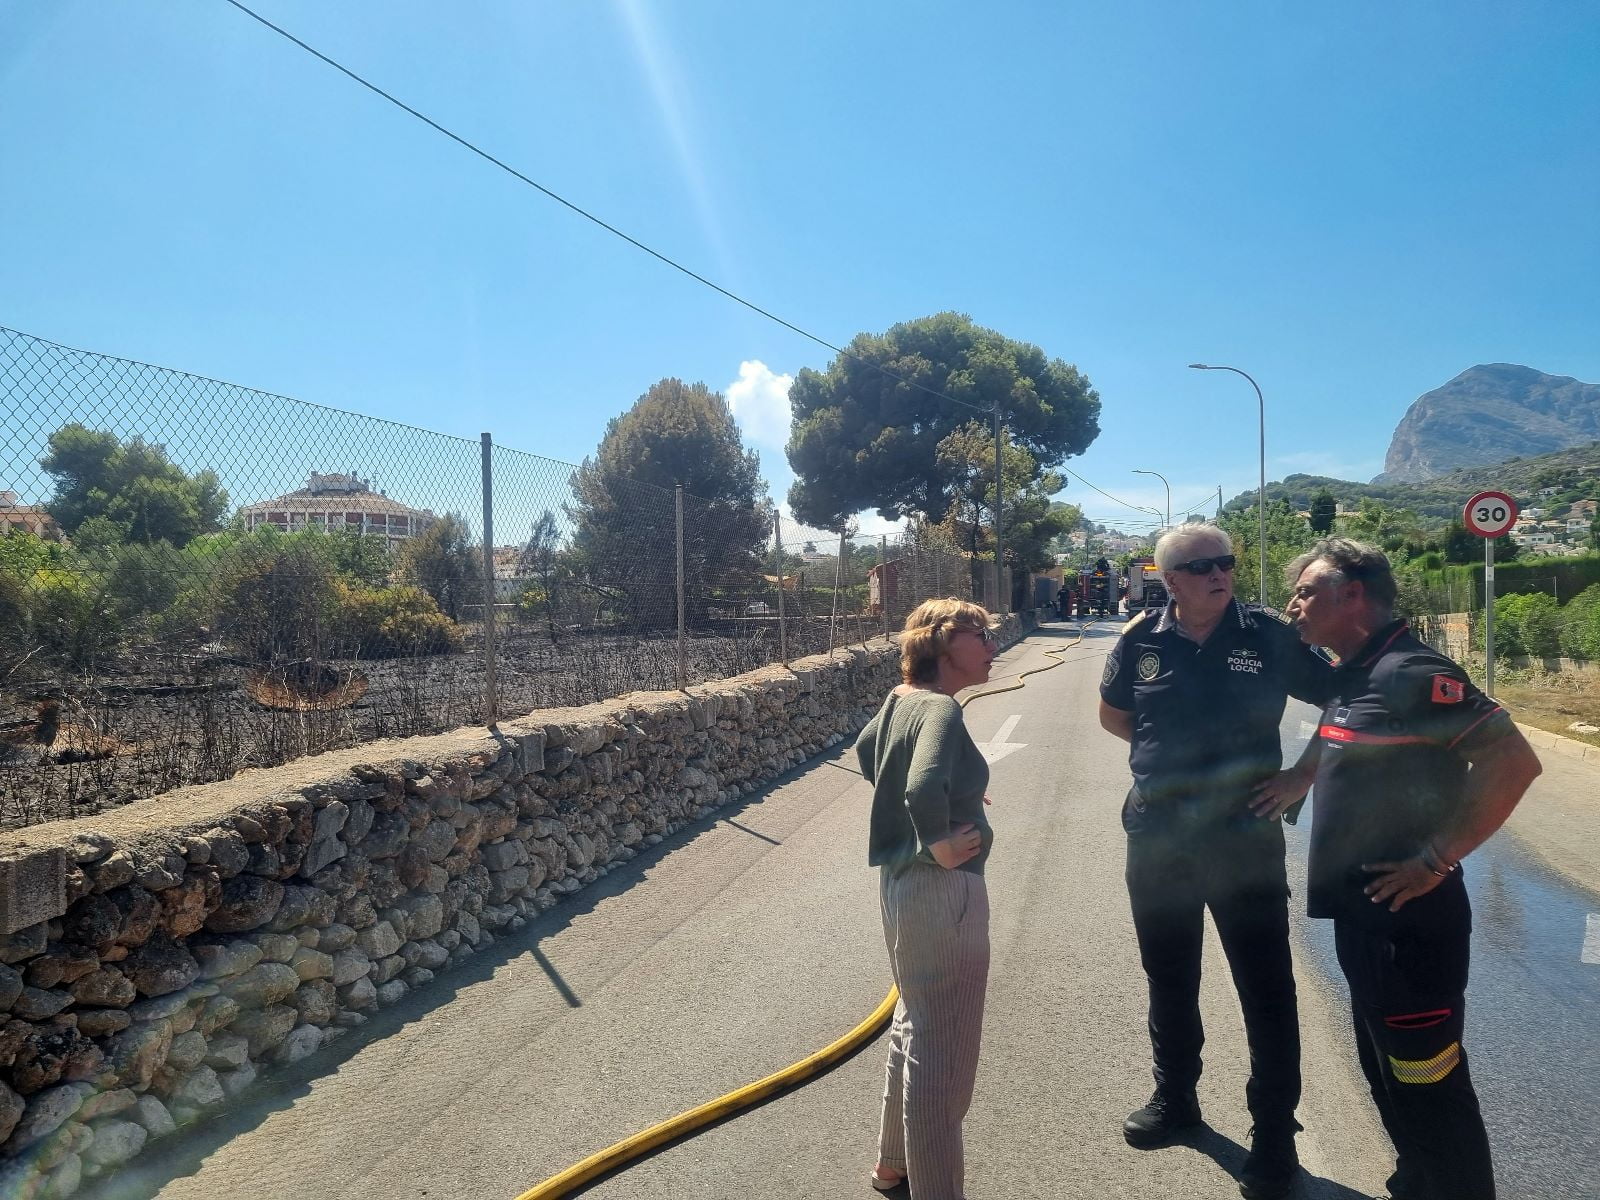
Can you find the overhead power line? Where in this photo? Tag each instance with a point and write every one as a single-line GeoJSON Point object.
{"type": "Point", "coordinates": [465, 144]}
{"type": "Point", "coordinates": [589, 216]}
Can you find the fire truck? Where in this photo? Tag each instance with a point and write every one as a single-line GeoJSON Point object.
{"type": "Point", "coordinates": [1144, 586]}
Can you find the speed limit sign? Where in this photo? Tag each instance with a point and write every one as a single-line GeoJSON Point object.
{"type": "Point", "coordinates": [1490, 514]}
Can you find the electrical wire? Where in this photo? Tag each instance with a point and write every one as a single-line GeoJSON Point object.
{"type": "Point", "coordinates": [589, 216]}
{"type": "Point", "coordinates": [613, 230]}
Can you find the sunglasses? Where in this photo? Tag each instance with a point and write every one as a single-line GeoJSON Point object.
{"type": "Point", "coordinates": [1202, 566]}
{"type": "Point", "coordinates": [987, 636]}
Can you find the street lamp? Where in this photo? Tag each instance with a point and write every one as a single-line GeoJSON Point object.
{"type": "Point", "coordinates": [1165, 484]}
{"type": "Point", "coordinates": [1261, 495]}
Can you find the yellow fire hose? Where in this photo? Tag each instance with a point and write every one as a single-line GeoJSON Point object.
{"type": "Point", "coordinates": [640, 1144]}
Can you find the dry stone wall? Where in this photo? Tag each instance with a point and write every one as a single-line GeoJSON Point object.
{"type": "Point", "coordinates": [155, 958]}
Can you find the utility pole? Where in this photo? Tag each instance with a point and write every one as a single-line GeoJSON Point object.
{"type": "Point", "coordinates": [999, 503]}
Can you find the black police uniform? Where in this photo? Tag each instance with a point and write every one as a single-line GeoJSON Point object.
{"type": "Point", "coordinates": [1391, 776]}
{"type": "Point", "coordinates": [1205, 733]}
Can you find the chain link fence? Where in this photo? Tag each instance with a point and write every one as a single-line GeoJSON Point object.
{"type": "Point", "coordinates": [198, 577]}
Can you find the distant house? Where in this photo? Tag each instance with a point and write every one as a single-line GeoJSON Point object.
{"type": "Point", "coordinates": [1584, 508]}
{"type": "Point", "coordinates": [340, 502]}
{"type": "Point", "coordinates": [1533, 514]}
{"type": "Point", "coordinates": [15, 516]}
{"type": "Point", "coordinates": [1578, 524]}
{"type": "Point", "coordinates": [1548, 491]}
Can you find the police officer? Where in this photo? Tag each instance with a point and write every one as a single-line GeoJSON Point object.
{"type": "Point", "coordinates": [1198, 690]}
{"type": "Point", "coordinates": [1417, 769]}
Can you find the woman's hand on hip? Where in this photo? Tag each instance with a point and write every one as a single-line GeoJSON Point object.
{"type": "Point", "coordinates": [963, 843]}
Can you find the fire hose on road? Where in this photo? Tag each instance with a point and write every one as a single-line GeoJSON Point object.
{"type": "Point", "coordinates": [630, 1148]}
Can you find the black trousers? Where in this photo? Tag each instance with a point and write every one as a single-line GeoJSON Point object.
{"type": "Point", "coordinates": [1237, 872]}
{"type": "Point", "coordinates": [1407, 995]}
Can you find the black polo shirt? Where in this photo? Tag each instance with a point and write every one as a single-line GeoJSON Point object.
{"type": "Point", "coordinates": [1394, 742]}
{"type": "Point", "coordinates": [1205, 718]}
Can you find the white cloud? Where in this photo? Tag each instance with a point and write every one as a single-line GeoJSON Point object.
{"type": "Point", "coordinates": [760, 403]}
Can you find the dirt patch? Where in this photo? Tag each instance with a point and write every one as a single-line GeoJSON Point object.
{"type": "Point", "coordinates": [1552, 702]}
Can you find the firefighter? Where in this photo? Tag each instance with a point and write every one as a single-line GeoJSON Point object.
{"type": "Point", "coordinates": [1198, 690]}
{"type": "Point", "coordinates": [1417, 769]}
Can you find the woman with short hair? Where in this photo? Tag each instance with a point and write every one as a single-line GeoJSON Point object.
{"type": "Point", "coordinates": [930, 839]}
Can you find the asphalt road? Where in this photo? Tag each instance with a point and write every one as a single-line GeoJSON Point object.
{"type": "Point", "coordinates": [752, 939]}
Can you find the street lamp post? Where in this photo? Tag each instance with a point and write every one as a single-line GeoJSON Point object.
{"type": "Point", "coordinates": [1261, 494]}
{"type": "Point", "coordinates": [1165, 484]}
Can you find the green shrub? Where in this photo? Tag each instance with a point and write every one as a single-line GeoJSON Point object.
{"type": "Point", "coordinates": [72, 616]}
{"type": "Point", "coordinates": [275, 600]}
{"type": "Point", "coordinates": [1580, 625]}
{"type": "Point", "coordinates": [391, 622]}
{"type": "Point", "coordinates": [1541, 626]}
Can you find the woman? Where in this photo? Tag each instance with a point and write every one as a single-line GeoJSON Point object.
{"type": "Point", "coordinates": [930, 840]}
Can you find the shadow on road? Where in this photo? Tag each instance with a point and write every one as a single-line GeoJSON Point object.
{"type": "Point", "coordinates": [1230, 1155]}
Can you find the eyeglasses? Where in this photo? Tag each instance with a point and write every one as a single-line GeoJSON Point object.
{"type": "Point", "coordinates": [1202, 566]}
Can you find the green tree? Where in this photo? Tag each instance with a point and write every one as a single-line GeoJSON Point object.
{"type": "Point", "coordinates": [624, 546]}
{"type": "Point", "coordinates": [1323, 510]}
{"type": "Point", "coordinates": [445, 563]}
{"type": "Point", "coordinates": [1288, 535]}
{"type": "Point", "coordinates": [1391, 529]}
{"type": "Point", "coordinates": [861, 438]}
{"type": "Point", "coordinates": [1070, 518]}
{"type": "Point", "coordinates": [544, 565]}
{"type": "Point", "coordinates": [138, 492]}
{"type": "Point", "coordinates": [1461, 545]}
{"type": "Point", "coordinates": [1030, 521]}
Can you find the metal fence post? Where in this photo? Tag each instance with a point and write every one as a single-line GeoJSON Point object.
{"type": "Point", "coordinates": [491, 697]}
{"type": "Point", "coordinates": [680, 586]}
{"type": "Point", "coordinates": [833, 618]}
{"type": "Point", "coordinates": [883, 581]}
{"type": "Point", "coordinates": [777, 561]}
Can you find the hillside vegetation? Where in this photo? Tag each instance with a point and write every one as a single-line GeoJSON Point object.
{"type": "Point", "coordinates": [1574, 471]}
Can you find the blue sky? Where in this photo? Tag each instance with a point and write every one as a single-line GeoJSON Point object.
{"type": "Point", "coordinates": [1353, 202]}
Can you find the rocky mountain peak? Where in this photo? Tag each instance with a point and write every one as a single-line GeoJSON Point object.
{"type": "Point", "coordinates": [1487, 414]}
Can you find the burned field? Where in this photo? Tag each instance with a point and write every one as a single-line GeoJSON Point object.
{"type": "Point", "coordinates": [71, 746]}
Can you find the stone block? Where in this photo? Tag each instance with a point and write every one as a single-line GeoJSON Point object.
{"type": "Point", "coordinates": [33, 888]}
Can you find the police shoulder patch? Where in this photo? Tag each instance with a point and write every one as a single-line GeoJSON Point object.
{"type": "Point", "coordinates": [1276, 614]}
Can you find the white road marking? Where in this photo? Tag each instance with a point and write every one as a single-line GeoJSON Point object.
{"type": "Point", "coordinates": [997, 747]}
{"type": "Point", "coordinates": [1591, 941]}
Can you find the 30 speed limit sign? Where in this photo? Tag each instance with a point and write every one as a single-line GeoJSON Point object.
{"type": "Point", "coordinates": [1490, 514]}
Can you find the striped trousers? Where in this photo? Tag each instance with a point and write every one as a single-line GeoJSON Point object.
{"type": "Point", "coordinates": [936, 926]}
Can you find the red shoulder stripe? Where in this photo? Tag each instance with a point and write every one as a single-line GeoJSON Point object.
{"type": "Point", "coordinates": [1338, 733]}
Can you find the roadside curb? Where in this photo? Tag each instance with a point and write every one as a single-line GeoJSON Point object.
{"type": "Point", "coordinates": [1543, 739]}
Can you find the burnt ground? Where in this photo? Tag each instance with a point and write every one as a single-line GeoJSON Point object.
{"type": "Point", "coordinates": [165, 720]}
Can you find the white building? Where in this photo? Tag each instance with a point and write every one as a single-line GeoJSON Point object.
{"type": "Point", "coordinates": [339, 502]}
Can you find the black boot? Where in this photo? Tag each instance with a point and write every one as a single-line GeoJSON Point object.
{"type": "Point", "coordinates": [1167, 1114]}
{"type": "Point", "coordinates": [1270, 1170]}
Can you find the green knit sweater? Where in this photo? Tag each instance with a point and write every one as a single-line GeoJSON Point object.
{"type": "Point", "coordinates": [927, 776]}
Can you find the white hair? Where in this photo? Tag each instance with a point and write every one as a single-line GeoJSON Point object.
{"type": "Point", "coordinates": [1187, 542]}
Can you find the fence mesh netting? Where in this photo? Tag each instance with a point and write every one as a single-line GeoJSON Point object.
{"type": "Point", "coordinates": [198, 577]}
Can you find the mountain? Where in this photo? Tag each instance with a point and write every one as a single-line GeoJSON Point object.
{"type": "Point", "coordinates": [1488, 414]}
